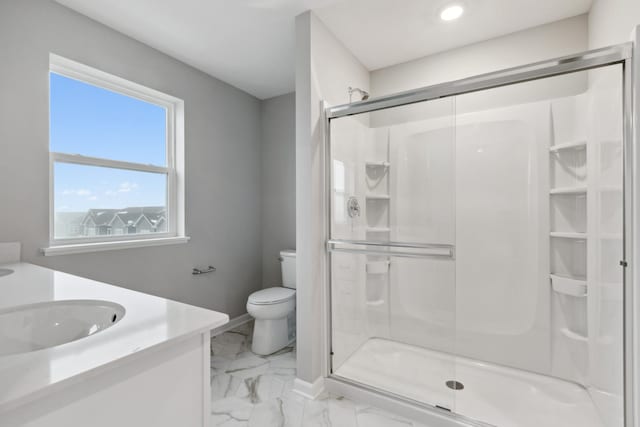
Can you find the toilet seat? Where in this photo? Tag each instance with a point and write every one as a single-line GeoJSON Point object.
{"type": "Point", "coordinates": [271, 296]}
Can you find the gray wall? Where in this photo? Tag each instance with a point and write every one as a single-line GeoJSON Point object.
{"type": "Point", "coordinates": [222, 159]}
{"type": "Point", "coordinates": [278, 183]}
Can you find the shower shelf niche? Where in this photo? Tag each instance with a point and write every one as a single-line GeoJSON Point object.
{"type": "Point", "coordinates": [378, 267]}
{"type": "Point", "coordinates": [569, 190]}
{"type": "Point", "coordinates": [380, 164]}
{"type": "Point", "coordinates": [569, 286]}
{"type": "Point", "coordinates": [375, 303]}
{"type": "Point", "coordinates": [573, 335]}
{"type": "Point", "coordinates": [574, 145]}
{"type": "Point", "coordinates": [378, 229]}
{"type": "Point", "coordinates": [567, 235]}
{"type": "Point", "coordinates": [378, 197]}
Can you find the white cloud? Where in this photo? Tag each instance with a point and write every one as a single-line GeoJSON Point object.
{"type": "Point", "coordinates": [79, 192]}
{"type": "Point", "coordinates": [127, 186]}
{"type": "Point", "coordinates": [92, 198]}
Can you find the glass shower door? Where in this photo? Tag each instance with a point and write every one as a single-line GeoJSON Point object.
{"type": "Point", "coordinates": [392, 244]}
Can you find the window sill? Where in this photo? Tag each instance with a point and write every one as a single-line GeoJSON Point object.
{"type": "Point", "coordinates": [80, 248]}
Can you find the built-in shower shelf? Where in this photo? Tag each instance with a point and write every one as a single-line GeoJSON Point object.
{"type": "Point", "coordinates": [567, 235]}
{"type": "Point", "coordinates": [569, 190]}
{"type": "Point", "coordinates": [378, 197]}
{"type": "Point", "coordinates": [569, 286]}
{"type": "Point", "coordinates": [573, 335]}
{"type": "Point", "coordinates": [375, 303]}
{"type": "Point", "coordinates": [378, 267]}
{"type": "Point", "coordinates": [573, 145]}
{"type": "Point", "coordinates": [380, 164]}
{"type": "Point", "coordinates": [378, 229]}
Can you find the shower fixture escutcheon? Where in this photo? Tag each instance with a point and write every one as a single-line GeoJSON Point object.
{"type": "Point", "coordinates": [353, 207]}
{"type": "Point", "coordinates": [364, 95]}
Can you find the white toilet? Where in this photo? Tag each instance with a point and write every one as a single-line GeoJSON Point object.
{"type": "Point", "coordinates": [275, 310]}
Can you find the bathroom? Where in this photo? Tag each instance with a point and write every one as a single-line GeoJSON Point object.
{"type": "Point", "coordinates": [330, 231]}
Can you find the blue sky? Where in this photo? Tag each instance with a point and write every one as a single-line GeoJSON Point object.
{"type": "Point", "coordinates": [95, 122]}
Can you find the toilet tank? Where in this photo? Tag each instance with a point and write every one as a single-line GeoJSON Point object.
{"type": "Point", "coordinates": [288, 266]}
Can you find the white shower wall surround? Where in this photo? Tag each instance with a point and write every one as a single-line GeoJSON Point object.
{"type": "Point", "coordinates": [534, 224]}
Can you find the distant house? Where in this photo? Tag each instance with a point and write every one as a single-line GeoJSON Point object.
{"type": "Point", "coordinates": [131, 220]}
{"type": "Point", "coordinates": [69, 224]}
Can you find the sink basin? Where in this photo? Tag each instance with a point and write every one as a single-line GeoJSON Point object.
{"type": "Point", "coordinates": [5, 271]}
{"type": "Point", "coordinates": [38, 326]}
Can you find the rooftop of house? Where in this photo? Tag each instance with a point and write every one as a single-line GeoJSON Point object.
{"type": "Point", "coordinates": [128, 215]}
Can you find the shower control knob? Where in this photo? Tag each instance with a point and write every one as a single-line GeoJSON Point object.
{"type": "Point", "coordinates": [353, 207]}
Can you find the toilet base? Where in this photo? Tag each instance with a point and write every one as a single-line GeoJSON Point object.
{"type": "Point", "coordinates": [269, 336]}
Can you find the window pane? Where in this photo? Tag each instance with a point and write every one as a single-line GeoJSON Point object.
{"type": "Point", "coordinates": [91, 121]}
{"type": "Point", "coordinates": [92, 201]}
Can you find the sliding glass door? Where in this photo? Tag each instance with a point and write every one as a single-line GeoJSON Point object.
{"type": "Point", "coordinates": [393, 287]}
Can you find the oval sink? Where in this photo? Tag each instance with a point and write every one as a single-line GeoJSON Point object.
{"type": "Point", "coordinates": [37, 326]}
{"type": "Point", "coordinates": [5, 271]}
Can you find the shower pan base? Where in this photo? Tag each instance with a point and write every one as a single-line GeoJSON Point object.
{"type": "Point", "coordinates": [492, 394]}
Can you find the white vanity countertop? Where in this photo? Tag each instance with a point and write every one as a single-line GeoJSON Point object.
{"type": "Point", "coordinates": [149, 322]}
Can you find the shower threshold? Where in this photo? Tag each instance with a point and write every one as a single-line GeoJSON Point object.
{"type": "Point", "coordinates": [492, 394]}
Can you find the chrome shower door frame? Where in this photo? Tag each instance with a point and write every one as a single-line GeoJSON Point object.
{"type": "Point", "coordinates": [621, 54]}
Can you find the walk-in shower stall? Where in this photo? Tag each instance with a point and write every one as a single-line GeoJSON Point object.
{"type": "Point", "coordinates": [476, 244]}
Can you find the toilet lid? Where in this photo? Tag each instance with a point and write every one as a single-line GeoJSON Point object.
{"type": "Point", "coordinates": [271, 295]}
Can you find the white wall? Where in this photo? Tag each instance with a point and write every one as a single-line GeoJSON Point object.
{"type": "Point", "coordinates": [277, 183]}
{"type": "Point", "coordinates": [324, 70]}
{"type": "Point", "coordinates": [611, 22]}
{"type": "Point", "coordinates": [222, 159]}
{"type": "Point", "coordinates": [536, 44]}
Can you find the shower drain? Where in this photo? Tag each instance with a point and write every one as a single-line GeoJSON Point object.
{"type": "Point", "coordinates": [454, 385]}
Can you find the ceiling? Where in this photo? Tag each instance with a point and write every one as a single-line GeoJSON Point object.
{"type": "Point", "coordinates": [250, 43]}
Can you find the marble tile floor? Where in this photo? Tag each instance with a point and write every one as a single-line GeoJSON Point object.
{"type": "Point", "coordinates": [256, 391]}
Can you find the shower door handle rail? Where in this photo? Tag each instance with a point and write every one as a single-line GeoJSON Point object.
{"type": "Point", "coordinates": [396, 249]}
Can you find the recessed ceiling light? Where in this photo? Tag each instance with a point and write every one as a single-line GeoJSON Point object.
{"type": "Point", "coordinates": [452, 12]}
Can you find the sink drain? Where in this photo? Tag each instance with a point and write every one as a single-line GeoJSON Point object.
{"type": "Point", "coordinates": [455, 385]}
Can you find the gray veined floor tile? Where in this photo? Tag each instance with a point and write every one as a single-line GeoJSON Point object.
{"type": "Point", "coordinates": [224, 385]}
{"type": "Point", "coordinates": [270, 387]}
{"type": "Point", "coordinates": [247, 365]}
{"type": "Point", "coordinates": [245, 329]}
{"type": "Point", "coordinates": [228, 344]}
{"type": "Point", "coordinates": [227, 421]}
{"type": "Point", "coordinates": [220, 364]}
{"type": "Point", "coordinates": [255, 391]}
{"type": "Point", "coordinates": [268, 414]}
{"type": "Point", "coordinates": [235, 408]}
{"type": "Point", "coordinates": [293, 412]}
{"type": "Point", "coordinates": [316, 414]}
{"type": "Point", "coordinates": [342, 412]}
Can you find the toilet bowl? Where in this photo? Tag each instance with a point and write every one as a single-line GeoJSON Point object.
{"type": "Point", "coordinates": [274, 310]}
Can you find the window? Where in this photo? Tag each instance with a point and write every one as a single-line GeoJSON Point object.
{"type": "Point", "coordinates": [116, 161]}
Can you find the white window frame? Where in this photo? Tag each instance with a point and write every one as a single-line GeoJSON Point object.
{"type": "Point", "coordinates": [174, 169]}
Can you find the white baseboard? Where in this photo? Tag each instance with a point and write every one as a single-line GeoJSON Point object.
{"type": "Point", "coordinates": [309, 390]}
{"type": "Point", "coordinates": [233, 323]}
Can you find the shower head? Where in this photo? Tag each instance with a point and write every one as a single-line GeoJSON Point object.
{"type": "Point", "coordinates": [364, 95]}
